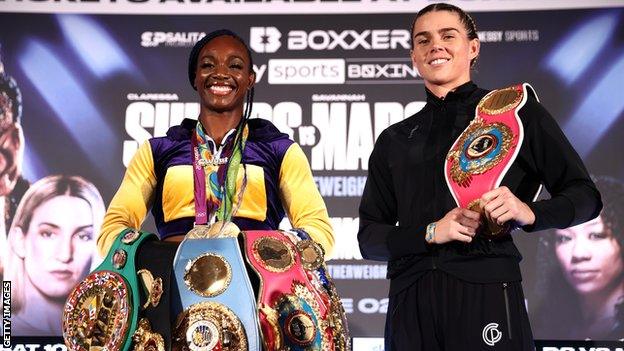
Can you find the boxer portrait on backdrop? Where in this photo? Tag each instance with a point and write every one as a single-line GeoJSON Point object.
{"type": "Point", "coordinates": [51, 246]}
{"type": "Point", "coordinates": [580, 272]}
{"type": "Point", "coordinates": [12, 184]}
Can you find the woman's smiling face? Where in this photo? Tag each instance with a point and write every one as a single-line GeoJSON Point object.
{"type": "Point", "coordinates": [223, 74]}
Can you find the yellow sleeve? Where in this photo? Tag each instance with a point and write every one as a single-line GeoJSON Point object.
{"type": "Point", "coordinates": [303, 202]}
{"type": "Point", "coordinates": [129, 206]}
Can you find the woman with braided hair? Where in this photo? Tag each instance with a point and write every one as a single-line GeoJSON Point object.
{"type": "Point", "coordinates": [269, 168]}
{"type": "Point", "coordinates": [220, 170]}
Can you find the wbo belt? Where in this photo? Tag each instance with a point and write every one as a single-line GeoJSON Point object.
{"type": "Point", "coordinates": [312, 258]}
{"type": "Point", "coordinates": [293, 307]}
{"type": "Point", "coordinates": [215, 303]}
{"type": "Point", "coordinates": [486, 149]}
{"type": "Point", "coordinates": [102, 311]}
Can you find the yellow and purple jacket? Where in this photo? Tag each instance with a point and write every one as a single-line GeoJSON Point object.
{"type": "Point", "coordinates": [160, 177]}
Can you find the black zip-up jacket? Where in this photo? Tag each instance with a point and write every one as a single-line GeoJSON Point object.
{"type": "Point", "coordinates": [406, 190]}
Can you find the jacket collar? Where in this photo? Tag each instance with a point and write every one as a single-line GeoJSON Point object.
{"type": "Point", "coordinates": [182, 131]}
{"type": "Point", "coordinates": [462, 92]}
{"type": "Point", "coordinates": [259, 130]}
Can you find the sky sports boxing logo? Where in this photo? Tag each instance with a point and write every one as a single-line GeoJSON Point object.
{"type": "Point", "coordinates": [306, 71]}
{"type": "Point", "coordinates": [342, 71]}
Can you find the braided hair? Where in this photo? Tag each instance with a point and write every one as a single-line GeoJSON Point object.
{"type": "Point", "coordinates": [9, 88]}
{"type": "Point", "coordinates": [464, 18]}
{"type": "Point", "coordinates": [249, 96]}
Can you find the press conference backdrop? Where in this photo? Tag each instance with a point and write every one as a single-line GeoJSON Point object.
{"type": "Point", "coordinates": [99, 78]}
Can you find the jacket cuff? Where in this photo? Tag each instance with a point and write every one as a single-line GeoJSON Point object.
{"type": "Point", "coordinates": [406, 240]}
{"type": "Point", "coordinates": [550, 214]}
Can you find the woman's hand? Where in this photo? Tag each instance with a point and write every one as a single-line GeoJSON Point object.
{"type": "Point", "coordinates": [501, 205]}
{"type": "Point", "coordinates": [458, 224]}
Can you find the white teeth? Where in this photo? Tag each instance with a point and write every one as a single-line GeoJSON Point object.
{"type": "Point", "coordinates": [221, 88]}
{"type": "Point", "coordinates": [438, 61]}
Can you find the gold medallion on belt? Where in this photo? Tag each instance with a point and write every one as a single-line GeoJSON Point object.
{"type": "Point", "coordinates": [273, 254]}
{"type": "Point", "coordinates": [207, 326]}
{"type": "Point", "coordinates": [500, 101]}
{"type": "Point", "coordinates": [99, 311]}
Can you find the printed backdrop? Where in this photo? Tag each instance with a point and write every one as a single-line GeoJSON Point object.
{"type": "Point", "coordinates": [96, 86]}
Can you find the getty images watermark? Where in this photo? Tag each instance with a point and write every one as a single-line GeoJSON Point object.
{"type": "Point", "coordinates": [6, 314]}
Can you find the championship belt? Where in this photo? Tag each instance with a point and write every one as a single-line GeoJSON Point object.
{"type": "Point", "coordinates": [486, 149]}
{"type": "Point", "coordinates": [101, 313]}
{"type": "Point", "coordinates": [312, 258]}
{"type": "Point", "coordinates": [294, 314]}
{"type": "Point", "coordinates": [217, 308]}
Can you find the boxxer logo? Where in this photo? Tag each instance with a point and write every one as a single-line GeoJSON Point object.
{"type": "Point", "coordinates": [264, 39]}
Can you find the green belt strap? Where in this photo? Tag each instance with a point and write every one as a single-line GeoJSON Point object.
{"type": "Point", "coordinates": [129, 273]}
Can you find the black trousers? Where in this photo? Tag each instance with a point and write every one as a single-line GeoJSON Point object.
{"type": "Point", "coordinates": [157, 257]}
{"type": "Point", "coordinates": [440, 312]}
